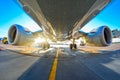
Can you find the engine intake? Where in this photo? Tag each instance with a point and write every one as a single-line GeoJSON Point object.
{"type": "Point", "coordinates": [18, 35]}
{"type": "Point", "coordinates": [100, 36]}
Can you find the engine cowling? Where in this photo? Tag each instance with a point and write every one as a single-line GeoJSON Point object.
{"type": "Point", "coordinates": [18, 35]}
{"type": "Point", "coordinates": [101, 36]}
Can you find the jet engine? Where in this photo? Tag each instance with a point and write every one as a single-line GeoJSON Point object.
{"type": "Point", "coordinates": [18, 35]}
{"type": "Point", "coordinates": [100, 36]}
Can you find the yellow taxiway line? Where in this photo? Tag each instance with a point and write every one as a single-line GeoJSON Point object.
{"type": "Point", "coordinates": [54, 67]}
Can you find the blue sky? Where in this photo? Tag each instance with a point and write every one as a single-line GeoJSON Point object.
{"type": "Point", "coordinates": [11, 13]}
{"type": "Point", "coordinates": [110, 16]}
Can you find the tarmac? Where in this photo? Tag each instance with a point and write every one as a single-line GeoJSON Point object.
{"type": "Point", "coordinates": [85, 63]}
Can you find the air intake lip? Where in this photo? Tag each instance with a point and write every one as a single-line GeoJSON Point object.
{"type": "Point", "coordinates": [107, 36]}
{"type": "Point", "coordinates": [100, 36]}
{"type": "Point", "coordinates": [14, 33]}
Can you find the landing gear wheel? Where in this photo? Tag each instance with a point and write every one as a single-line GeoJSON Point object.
{"type": "Point", "coordinates": [73, 46]}
{"type": "Point", "coordinates": [45, 45]}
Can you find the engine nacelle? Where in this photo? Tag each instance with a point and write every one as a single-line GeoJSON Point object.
{"type": "Point", "coordinates": [101, 36]}
{"type": "Point", "coordinates": [18, 35]}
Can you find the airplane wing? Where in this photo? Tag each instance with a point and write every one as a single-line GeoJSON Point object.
{"type": "Point", "coordinates": [95, 9]}
{"type": "Point", "coordinates": [58, 17]}
{"type": "Point", "coordinates": [61, 18]}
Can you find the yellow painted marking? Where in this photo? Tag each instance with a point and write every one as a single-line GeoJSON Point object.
{"type": "Point", "coordinates": [54, 67]}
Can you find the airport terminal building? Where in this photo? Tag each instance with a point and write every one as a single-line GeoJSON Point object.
{"type": "Point", "coordinates": [116, 33]}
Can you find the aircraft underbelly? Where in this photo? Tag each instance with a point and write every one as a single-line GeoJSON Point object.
{"type": "Point", "coordinates": [63, 14]}
{"type": "Point", "coordinates": [59, 17]}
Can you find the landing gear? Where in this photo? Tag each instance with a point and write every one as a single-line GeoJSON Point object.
{"type": "Point", "coordinates": [73, 45]}
{"type": "Point", "coordinates": [45, 45]}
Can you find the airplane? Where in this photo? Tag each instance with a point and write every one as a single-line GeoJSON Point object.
{"type": "Point", "coordinates": [61, 20]}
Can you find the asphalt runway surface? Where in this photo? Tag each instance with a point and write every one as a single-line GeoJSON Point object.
{"type": "Point", "coordinates": [61, 63]}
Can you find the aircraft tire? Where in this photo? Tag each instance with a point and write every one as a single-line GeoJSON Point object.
{"type": "Point", "coordinates": [71, 46]}
{"type": "Point", "coordinates": [75, 46]}
{"type": "Point", "coordinates": [46, 45]}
